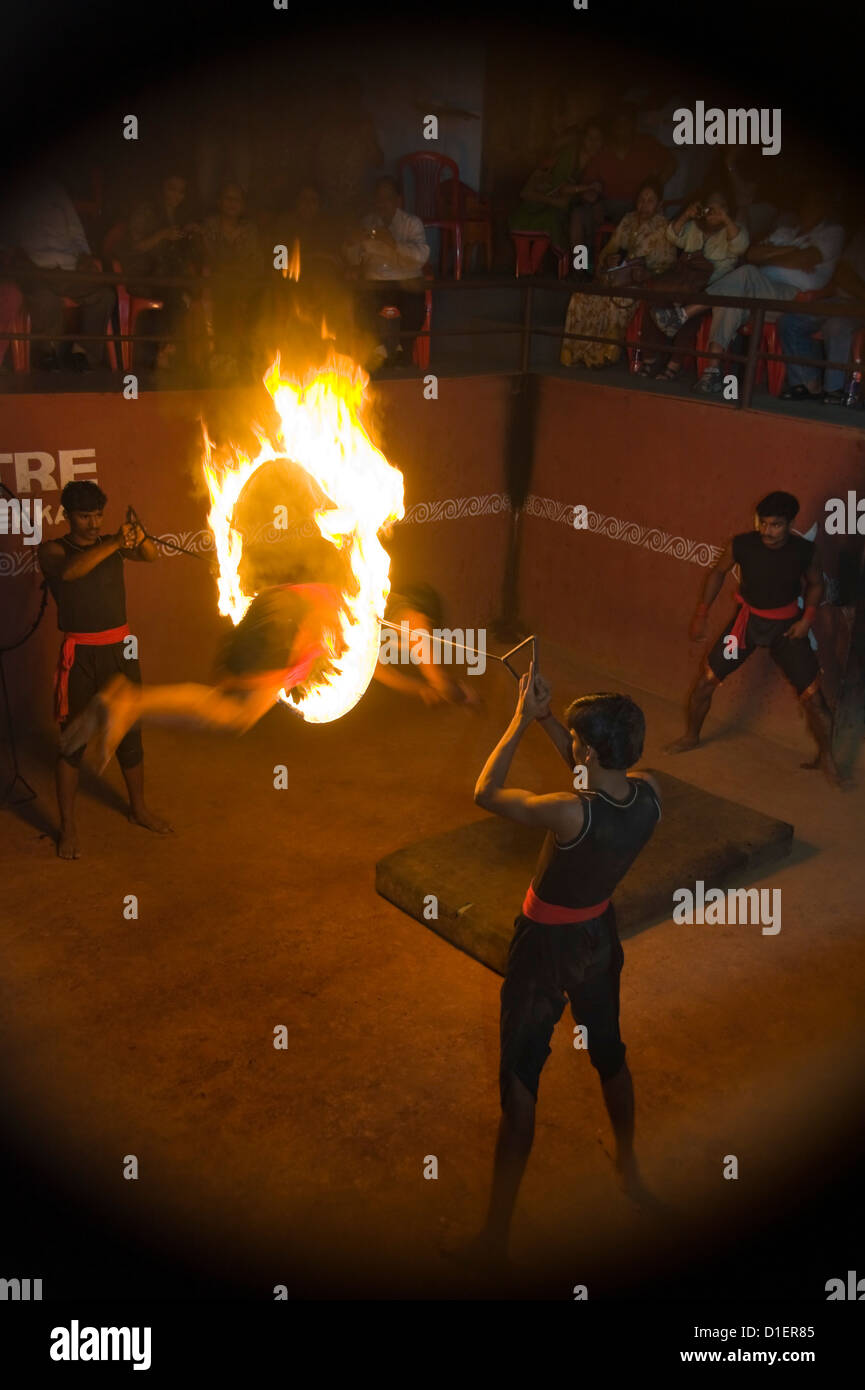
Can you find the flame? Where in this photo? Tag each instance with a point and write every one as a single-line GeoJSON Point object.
{"type": "Point", "coordinates": [321, 430]}
{"type": "Point", "coordinates": [292, 270]}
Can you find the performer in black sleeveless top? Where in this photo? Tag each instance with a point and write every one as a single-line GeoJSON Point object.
{"type": "Point", "coordinates": [777, 568]}
{"type": "Point", "coordinates": [84, 570]}
{"type": "Point", "coordinates": [565, 941]}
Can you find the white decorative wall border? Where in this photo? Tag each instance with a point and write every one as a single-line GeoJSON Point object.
{"type": "Point", "coordinates": [631, 532]}
{"type": "Point", "coordinates": [20, 561]}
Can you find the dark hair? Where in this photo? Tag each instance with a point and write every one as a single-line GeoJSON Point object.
{"type": "Point", "coordinates": [422, 597]}
{"type": "Point", "coordinates": [778, 504]}
{"type": "Point", "coordinates": [611, 724]}
{"type": "Point", "coordinates": [655, 188]}
{"type": "Point", "coordinates": [82, 497]}
{"type": "Point", "coordinates": [388, 180]}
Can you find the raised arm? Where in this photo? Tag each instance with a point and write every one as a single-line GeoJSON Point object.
{"type": "Point", "coordinates": [560, 811]}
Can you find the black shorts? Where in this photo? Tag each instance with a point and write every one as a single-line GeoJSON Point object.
{"type": "Point", "coordinates": [580, 960]}
{"type": "Point", "coordinates": [794, 655]}
{"type": "Point", "coordinates": [92, 669]}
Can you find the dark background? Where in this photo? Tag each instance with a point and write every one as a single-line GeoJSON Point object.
{"type": "Point", "coordinates": [68, 69]}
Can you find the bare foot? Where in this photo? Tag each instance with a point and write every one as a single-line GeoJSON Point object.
{"type": "Point", "coordinates": [682, 745]}
{"type": "Point", "coordinates": [149, 821]}
{"type": "Point", "coordinates": [840, 781]}
{"type": "Point", "coordinates": [631, 1185]}
{"type": "Point", "coordinates": [814, 763]}
{"type": "Point", "coordinates": [67, 844]}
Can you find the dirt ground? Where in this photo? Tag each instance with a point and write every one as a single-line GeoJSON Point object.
{"type": "Point", "coordinates": [305, 1165]}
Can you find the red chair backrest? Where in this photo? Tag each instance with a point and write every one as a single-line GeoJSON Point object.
{"type": "Point", "coordinates": [427, 169]}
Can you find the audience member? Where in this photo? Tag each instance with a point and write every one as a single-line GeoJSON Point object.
{"type": "Point", "coordinates": [552, 192]}
{"type": "Point", "coordinates": [624, 164]}
{"type": "Point", "coordinates": [641, 240]}
{"type": "Point", "coordinates": [711, 244]}
{"type": "Point", "coordinates": [740, 171]}
{"type": "Point", "coordinates": [791, 260]}
{"type": "Point", "coordinates": [797, 334]}
{"type": "Point", "coordinates": [47, 230]}
{"type": "Point", "coordinates": [232, 254]}
{"type": "Point", "coordinates": [390, 247]}
{"type": "Point", "coordinates": [162, 240]}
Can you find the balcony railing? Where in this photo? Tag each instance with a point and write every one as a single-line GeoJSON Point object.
{"type": "Point", "coordinates": [527, 329]}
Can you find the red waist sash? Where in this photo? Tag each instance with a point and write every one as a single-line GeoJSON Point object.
{"type": "Point", "coordinates": [66, 660]}
{"type": "Point", "coordinates": [282, 680]}
{"type": "Point", "coordinates": [740, 626]}
{"type": "Point", "coordinates": [553, 915]}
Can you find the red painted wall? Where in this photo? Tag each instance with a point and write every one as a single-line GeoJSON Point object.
{"type": "Point", "coordinates": [148, 452]}
{"type": "Point", "coordinates": [692, 471]}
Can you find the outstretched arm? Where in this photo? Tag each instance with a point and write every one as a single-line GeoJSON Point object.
{"type": "Point", "coordinates": [559, 811]}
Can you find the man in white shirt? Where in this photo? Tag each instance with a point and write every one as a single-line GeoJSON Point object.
{"type": "Point", "coordinates": [390, 248]}
{"type": "Point", "coordinates": [792, 259]}
{"type": "Point", "coordinates": [46, 227]}
{"type": "Point", "coordinates": [797, 332]}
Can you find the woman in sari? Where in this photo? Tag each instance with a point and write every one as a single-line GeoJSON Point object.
{"type": "Point", "coordinates": [641, 238]}
{"type": "Point", "coordinates": [552, 191]}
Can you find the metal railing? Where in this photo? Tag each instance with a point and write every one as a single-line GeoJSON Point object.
{"type": "Point", "coordinates": [527, 329]}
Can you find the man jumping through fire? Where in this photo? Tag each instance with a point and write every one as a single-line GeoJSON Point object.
{"type": "Point", "coordinates": [84, 571]}
{"type": "Point", "coordinates": [565, 941]}
{"type": "Point", "coordinates": [286, 640]}
{"type": "Point", "coordinates": [775, 563]}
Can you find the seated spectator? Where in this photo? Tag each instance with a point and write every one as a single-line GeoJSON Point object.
{"type": "Point", "coordinates": [232, 251]}
{"type": "Point", "coordinates": [792, 259]}
{"type": "Point", "coordinates": [390, 247]}
{"type": "Point", "coordinates": [641, 239]}
{"type": "Point", "coordinates": [549, 194]}
{"type": "Point", "coordinates": [162, 240]}
{"type": "Point", "coordinates": [314, 230]}
{"type": "Point", "coordinates": [797, 334]}
{"type": "Point", "coordinates": [711, 244]}
{"type": "Point", "coordinates": [622, 167]}
{"type": "Point", "coordinates": [739, 170]}
{"type": "Point", "coordinates": [45, 228]}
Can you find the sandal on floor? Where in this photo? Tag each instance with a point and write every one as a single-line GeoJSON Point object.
{"type": "Point", "coordinates": [670, 373]}
{"type": "Point", "coordinates": [646, 368]}
{"type": "Point", "coordinates": [800, 393]}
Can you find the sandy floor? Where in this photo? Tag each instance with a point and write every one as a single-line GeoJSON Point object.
{"type": "Point", "coordinates": [304, 1166]}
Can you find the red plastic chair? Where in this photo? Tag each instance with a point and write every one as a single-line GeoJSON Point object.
{"type": "Point", "coordinates": [474, 214]}
{"type": "Point", "coordinates": [776, 372]}
{"type": "Point", "coordinates": [427, 169]}
{"type": "Point", "coordinates": [128, 306]}
{"type": "Point", "coordinates": [420, 351]}
{"type": "Point", "coordinates": [526, 244]}
{"type": "Point", "coordinates": [632, 336]}
{"type": "Point", "coordinates": [21, 349]}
